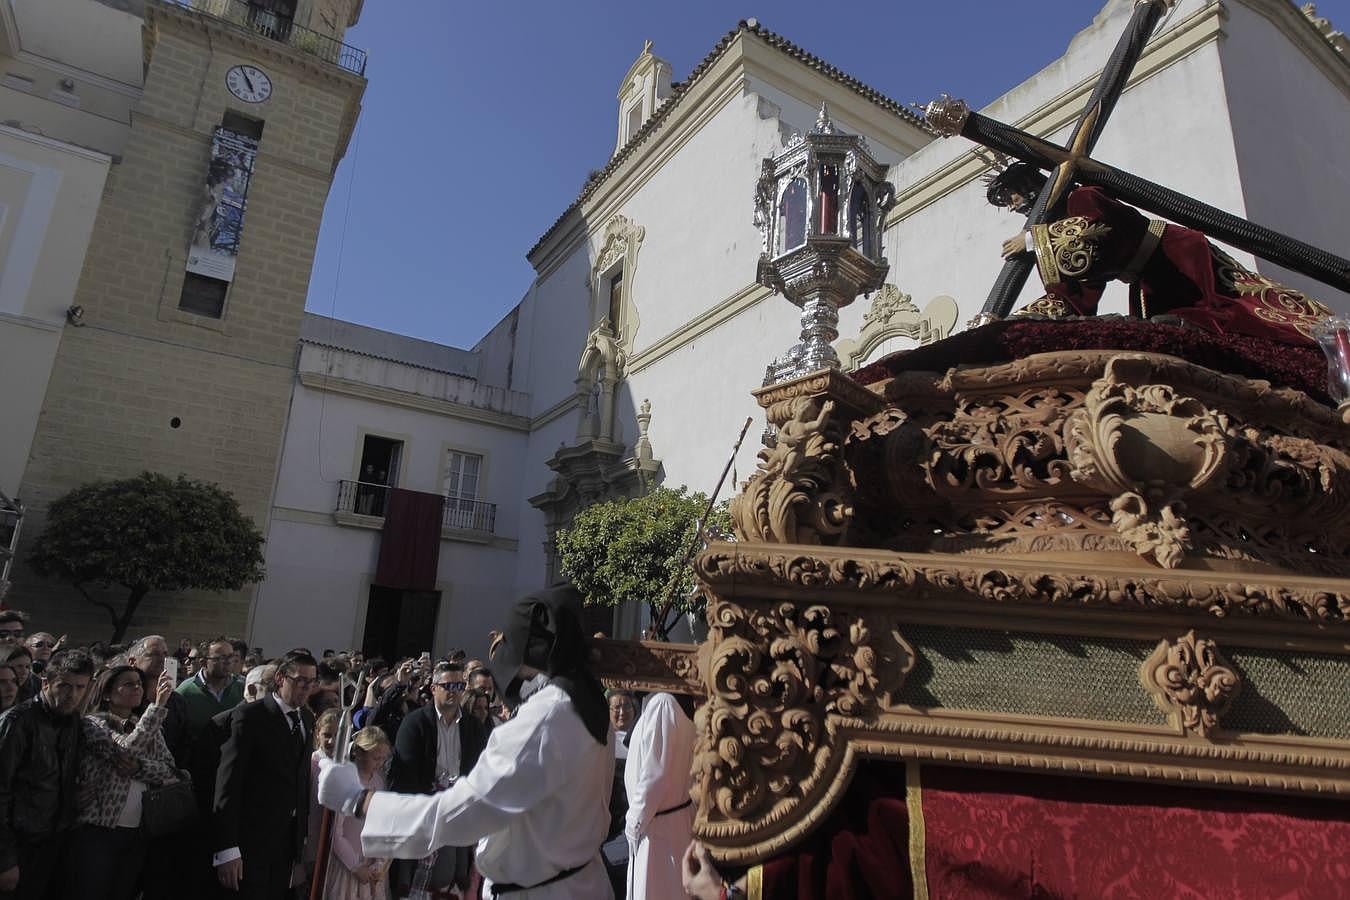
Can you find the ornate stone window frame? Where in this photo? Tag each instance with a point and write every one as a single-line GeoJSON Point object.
{"type": "Point", "coordinates": [618, 252]}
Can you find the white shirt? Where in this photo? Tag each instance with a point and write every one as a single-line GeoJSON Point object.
{"type": "Point", "coordinates": [536, 803]}
{"type": "Point", "coordinates": [447, 749]}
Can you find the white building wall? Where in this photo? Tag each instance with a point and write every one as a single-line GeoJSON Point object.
{"type": "Point", "coordinates": [1290, 103]}
{"type": "Point", "coordinates": [1172, 128]}
{"type": "Point", "coordinates": [49, 194]}
{"type": "Point", "coordinates": [319, 572]}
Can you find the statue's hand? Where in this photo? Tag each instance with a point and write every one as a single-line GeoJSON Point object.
{"type": "Point", "coordinates": [1014, 245]}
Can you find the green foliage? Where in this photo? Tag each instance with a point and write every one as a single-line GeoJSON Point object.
{"type": "Point", "coordinates": [625, 551]}
{"type": "Point", "coordinates": [148, 533]}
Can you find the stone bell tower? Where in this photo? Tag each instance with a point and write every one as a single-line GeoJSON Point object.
{"type": "Point", "coordinates": [196, 275]}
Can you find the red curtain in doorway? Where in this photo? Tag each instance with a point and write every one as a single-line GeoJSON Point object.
{"type": "Point", "coordinates": [411, 544]}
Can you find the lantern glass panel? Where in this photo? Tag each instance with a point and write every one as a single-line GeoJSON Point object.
{"type": "Point", "coordinates": [792, 216]}
{"type": "Point", "coordinates": [860, 219]}
{"type": "Point", "coordinates": [829, 198]}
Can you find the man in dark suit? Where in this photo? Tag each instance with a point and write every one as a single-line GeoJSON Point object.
{"type": "Point", "coordinates": [436, 744]}
{"type": "Point", "coordinates": [261, 810]}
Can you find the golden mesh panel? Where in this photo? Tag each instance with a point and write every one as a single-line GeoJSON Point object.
{"type": "Point", "coordinates": [1066, 677]}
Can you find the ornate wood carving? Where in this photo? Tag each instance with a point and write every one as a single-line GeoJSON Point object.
{"type": "Point", "coordinates": [799, 689]}
{"type": "Point", "coordinates": [1191, 683]}
{"type": "Point", "coordinates": [785, 683]}
{"type": "Point", "coordinates": [1149, 447]}
{"type": "Point", "coordinates": [1104, 452]}
{"type": "Point", "coordinates": [749, 567]}
{"type": "Point", "coordinates": [801, 492]}
{"type": "Point", "coordinates": [647, 666]}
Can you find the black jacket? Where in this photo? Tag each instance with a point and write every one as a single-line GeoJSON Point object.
{"type": "Point", "coordinates": [413, 770]}
{"type": "Point", "coordinates": [39, 763]}
{"type": "Point", "coordinates": [262, 784]}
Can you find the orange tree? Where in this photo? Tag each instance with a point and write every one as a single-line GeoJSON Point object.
{"type": "Point", "coordinates": [148, 533]}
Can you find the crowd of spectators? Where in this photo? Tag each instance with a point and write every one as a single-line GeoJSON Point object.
{"type": "Point", "coordinates": [133, 771]}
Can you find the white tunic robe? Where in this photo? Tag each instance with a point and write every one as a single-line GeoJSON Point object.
{"type": "Point", "coordinates": [536, 803]}
{"type": "Point", "coordinates": [658, 776]}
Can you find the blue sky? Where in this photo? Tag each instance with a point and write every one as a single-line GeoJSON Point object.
{"type": "Point", "coordinates": [482, 120]}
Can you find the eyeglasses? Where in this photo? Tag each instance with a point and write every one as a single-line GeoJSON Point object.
{"type": "Point", "coordinates": [450, 685]}
{"type": "Point", "coordinates": [301, 680]}
{"type": "Point", "coordinates": [8, 635]}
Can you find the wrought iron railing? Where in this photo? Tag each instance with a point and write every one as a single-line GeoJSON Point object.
{"type": "Point", "coordinates": [470, 515]}
{"type": "Point", "coordinates": [260, 19]}
{"type": "Point", "coordinates": [364, 498]}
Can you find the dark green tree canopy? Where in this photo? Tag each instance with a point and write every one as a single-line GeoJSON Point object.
{"type": "Point", "coordinates": [624, 551]}
{"type": "Point", "coordinates": [148, 533]}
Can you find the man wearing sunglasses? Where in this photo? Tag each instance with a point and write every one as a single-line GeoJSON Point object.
{"type": "Point", "coordinates": [436, 745]}
{"type": "Point", "coordinates": [261, 813]}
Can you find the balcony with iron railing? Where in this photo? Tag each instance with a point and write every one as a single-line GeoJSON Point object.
{"type": "Point", "coordinates": [261, 19]}
{"type": "Point", "coordinates": [362, 503]}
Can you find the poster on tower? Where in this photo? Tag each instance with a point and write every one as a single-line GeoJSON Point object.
{"type": "Point", "coordinates": [220, 214]}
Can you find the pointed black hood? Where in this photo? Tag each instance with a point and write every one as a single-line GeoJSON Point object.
{"type": "Point", "coordinates": [543, 631]}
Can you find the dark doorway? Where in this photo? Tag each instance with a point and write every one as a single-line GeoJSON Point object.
{"type": "Point", "coordinates": [380, 459]}
{"type": "Point", "coordinates": [399, 623]}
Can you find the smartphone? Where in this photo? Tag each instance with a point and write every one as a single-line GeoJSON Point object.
{"type": "Point", "coordinates": [425, 661]}
{"type": "Point", "coordinates": [171, 666]}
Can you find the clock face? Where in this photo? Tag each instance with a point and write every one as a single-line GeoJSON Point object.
{"type": "Point", "coordinates": [249, 83]}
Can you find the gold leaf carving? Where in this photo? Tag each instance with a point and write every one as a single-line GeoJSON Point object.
{"type": "Point", "coordinates": [1191, 683]}
{"type": "Point", "coordinates": [1150, 446]}
{"type": "Point", "coordinates": [780, 679]}
{"type": "Point", "coordinates": [798, 493]}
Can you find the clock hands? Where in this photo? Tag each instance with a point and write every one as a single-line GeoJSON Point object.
{"type": "Point", "coordinates": [248, 81]}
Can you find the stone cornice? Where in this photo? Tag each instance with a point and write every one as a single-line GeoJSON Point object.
{"type": "Point", "coordinates": [447, 408]}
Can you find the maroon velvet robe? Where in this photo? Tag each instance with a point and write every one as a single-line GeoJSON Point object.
{"type": "Point", "coordinates": [1171, 270]}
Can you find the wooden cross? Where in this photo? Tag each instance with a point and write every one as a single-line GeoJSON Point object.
{"type": "Point", "coordinates": [1073, 164]}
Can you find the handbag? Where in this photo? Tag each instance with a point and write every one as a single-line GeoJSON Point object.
{"type": "Point", "coordinates": [169, 809]}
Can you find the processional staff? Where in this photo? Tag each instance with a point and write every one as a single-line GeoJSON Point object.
{"type": "Point", "coordinates": [658, 630]}
{"type": "Point", "coordinates": [1073, 163]}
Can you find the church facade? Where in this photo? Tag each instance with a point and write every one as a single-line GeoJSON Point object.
{"type": "Point", "coordinates": [630, 358]}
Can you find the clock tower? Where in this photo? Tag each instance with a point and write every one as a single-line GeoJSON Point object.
{"type": "Point", "coordinates": [195, 279]}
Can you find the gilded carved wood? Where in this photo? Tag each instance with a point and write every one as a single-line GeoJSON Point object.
{"type": "Point", "coordinates": [1191, 683]}
{"type": "Point", "coordinates": [1085, 492]}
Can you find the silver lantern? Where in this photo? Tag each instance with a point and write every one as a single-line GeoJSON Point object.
{"type": "Point", "coordinates": [820, 206]}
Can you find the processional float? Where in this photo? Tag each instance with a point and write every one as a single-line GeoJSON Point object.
{"type": "Point", "coordinates": [1057, 606]}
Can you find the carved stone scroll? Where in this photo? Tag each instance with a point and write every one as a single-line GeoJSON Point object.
{"type": "Point", "coordinates": [1191, 683]}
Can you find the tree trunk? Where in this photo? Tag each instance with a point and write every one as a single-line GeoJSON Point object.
{"type": "Point", "coordinates": [123, 622]}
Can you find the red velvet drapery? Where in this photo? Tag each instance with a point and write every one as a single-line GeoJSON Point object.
{"type": "Point", "coordinates": [411, 544]}
{"type": "Point", "coordinates": [990, 834]}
